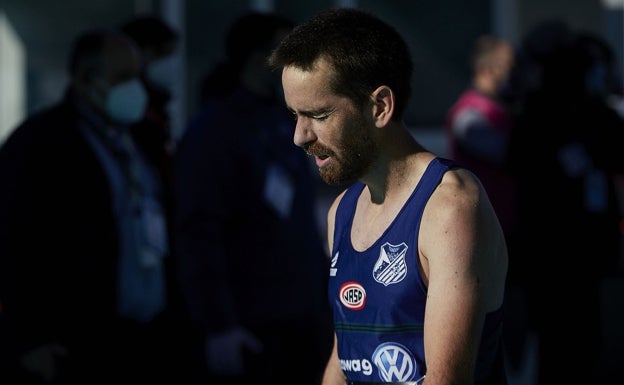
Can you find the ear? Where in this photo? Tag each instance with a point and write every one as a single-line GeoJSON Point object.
{"type": "Point", "coordinates": [383, 105]}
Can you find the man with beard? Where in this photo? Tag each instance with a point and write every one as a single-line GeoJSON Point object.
{"type": "Point", "coordinates": [418, 257]}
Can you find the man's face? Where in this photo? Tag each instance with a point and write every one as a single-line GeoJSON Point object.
{"type": "Point", "coordinates": [503, 63]}
{"type": "Point", "coordinates": [115, 92]}
{"type": "Point", "coordinates": [330, 127]}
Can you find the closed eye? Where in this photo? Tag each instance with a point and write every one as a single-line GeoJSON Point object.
{"type": "Point", "coordinates": [316, 115]}
{"type": "Point", "coordinates": [322, 116]}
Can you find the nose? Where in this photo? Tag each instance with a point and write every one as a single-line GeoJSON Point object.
{"type": "Point", "coordinates": [304, 133]}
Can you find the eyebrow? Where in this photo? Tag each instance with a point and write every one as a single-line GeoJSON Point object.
{"type": "Point", "coordinates": [313, 113]}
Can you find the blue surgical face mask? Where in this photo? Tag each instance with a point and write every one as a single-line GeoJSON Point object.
{"type": "Point", "coordinates": [126, 102]}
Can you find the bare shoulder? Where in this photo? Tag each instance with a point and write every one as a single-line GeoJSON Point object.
{"type": "Point", "coordinates": [460, 207]}
{"type": "Point", "coordinates": [459, 193]}
{"type": "Point", "coordinates": [460, 233]}
{"type": "Point", "coordinates": [455, 211]}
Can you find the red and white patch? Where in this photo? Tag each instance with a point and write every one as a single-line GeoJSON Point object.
{"type": "Point", "coordinates": [352, 295]}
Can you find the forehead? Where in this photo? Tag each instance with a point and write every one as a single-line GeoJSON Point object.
{"type": "Point", "coordinates": [120, 59]}
{"type": "Point", "coordinates": [307, 90]}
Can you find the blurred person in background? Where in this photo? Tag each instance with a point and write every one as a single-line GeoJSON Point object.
{"type": "Point", "coordinates": [253, 264]}
{"type": "Point", "coordinates": [477, 130]}
{"type": "Point", "coordinates": [479, 123]}
{"type": "Point", "coordinates": [86, 281]}
{"type": "Point", "coordinates": [564, 151]}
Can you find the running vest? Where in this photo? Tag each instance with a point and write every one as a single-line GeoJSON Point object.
{"type": "Point", "coordinates": [378, 296]}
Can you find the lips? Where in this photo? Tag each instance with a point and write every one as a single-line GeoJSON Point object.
{"type": "Point", "coordinates": [322, 160]}
{"type": "Point", "coordinates": [321, 156]}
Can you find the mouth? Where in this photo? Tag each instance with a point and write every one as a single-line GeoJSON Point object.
{"type": "Point", "coordinates": [321, 160]}
{"type": "Point", "coordinates": [321, 156]}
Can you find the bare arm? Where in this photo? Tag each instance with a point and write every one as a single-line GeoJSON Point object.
{"type": "Point", "coordinates": [464, 260]}
{"type": "Point", "coordinates": [333, 374]}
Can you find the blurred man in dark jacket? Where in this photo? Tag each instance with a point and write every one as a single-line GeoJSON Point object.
{"type": "Point", "coordinates": [86, 290]}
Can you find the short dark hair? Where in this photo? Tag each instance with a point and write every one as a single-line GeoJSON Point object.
{"type": "Point", "coordinates": [85, 54]}
{"type": "Point", "coordinates": [365, 52]}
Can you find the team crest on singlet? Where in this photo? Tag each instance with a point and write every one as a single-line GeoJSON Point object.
{"type": "Point", "coordinates": [391, 266]}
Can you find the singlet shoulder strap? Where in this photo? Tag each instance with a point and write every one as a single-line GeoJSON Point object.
{"type": "Point", "coordinates": [346, 211]}
{"type": "Point", "coordinates": [432, 176]}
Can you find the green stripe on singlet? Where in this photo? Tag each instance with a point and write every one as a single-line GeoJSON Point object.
{"type": "Point", "coordinates": [372, 328]}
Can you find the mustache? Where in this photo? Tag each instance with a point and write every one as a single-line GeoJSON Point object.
{"type": "Point", "coordinates": [316, 149]}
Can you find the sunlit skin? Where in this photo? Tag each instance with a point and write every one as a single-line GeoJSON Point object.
{"type": "Point", "coordinates": [329, 127]}
{"type": "Point", "coordinates": [461, 249]}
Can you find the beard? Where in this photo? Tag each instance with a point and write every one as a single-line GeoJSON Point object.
{"type": "Point", "coordinates": [356, 152]}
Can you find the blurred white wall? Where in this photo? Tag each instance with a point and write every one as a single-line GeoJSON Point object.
{"type": "Point", "coordinates": [12, 78]}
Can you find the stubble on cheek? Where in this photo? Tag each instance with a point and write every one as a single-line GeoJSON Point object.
{"type": "Point", "coordinates": [350, 162]}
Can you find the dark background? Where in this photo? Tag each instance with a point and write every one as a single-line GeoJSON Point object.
{"type": "Point", "coordinates": [440, 34]}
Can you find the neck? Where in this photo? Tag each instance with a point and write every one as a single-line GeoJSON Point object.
{"type": "Point", "coordinates": [393, 173]}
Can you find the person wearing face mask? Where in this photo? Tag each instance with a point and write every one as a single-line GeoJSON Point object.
{"type": "Point", "coordinates": [85, 284]}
